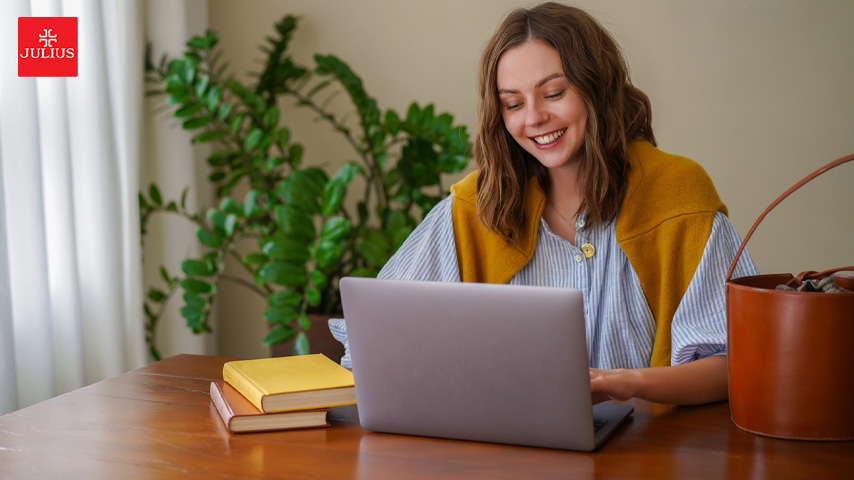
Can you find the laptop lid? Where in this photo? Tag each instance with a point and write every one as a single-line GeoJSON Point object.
{"type": "Point", "coordinates": [484, 362]}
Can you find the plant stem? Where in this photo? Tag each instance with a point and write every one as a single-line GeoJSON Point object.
{"type": "Point", "coordinates": [328, 117]}
{"type": "Point", "coordinates": [244, 283]}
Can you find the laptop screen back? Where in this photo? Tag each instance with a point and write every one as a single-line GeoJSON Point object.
{"type": "Point", "coordinates": [495, 363]}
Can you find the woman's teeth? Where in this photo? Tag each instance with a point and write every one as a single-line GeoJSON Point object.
{"type": "Point", "coordinates": [551, 137]}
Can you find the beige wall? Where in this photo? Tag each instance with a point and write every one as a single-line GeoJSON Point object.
{"type": "Point", "coordinates": [758, 92]}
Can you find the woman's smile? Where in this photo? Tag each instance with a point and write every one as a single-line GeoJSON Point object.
{"type": "Point", "coordinates": [547, 140]}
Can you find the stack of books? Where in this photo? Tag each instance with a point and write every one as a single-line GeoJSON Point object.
{"type": "Point", "coordinates": [281, 393]}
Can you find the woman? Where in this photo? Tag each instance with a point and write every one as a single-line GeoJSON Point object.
{"type": "Point", "coordinates": [571, 191]}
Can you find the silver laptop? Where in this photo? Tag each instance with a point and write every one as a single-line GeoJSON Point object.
{"type": "Point", "coordinates": [492, 363]}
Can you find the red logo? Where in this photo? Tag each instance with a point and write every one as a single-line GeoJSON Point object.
{"type": "Point", "coordinates": [47, 46]}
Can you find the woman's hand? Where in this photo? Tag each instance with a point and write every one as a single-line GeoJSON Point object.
{"type": "Point", "coordinates": [619, 384]}
{"type": "Point", "coordinates": [693, 383]}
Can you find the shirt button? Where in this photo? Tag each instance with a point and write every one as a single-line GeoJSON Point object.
{"type": "Point", "coordinates": [581, 223]}
{"type": "Point", "coordinates": [579, 258]}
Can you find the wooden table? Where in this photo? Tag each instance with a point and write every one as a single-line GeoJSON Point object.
{"type": "Point", "coordinates": [158, 422]}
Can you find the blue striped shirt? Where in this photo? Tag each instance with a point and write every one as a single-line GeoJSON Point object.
{"type": "Point", "coordinates": [619, 322]}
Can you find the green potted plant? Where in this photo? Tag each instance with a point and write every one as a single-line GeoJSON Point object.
{"type": "Point", "coordinates": [303, 237]}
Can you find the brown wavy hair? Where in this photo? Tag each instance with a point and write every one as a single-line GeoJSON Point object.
{"type": "Point", "coordinates": [617, 112]}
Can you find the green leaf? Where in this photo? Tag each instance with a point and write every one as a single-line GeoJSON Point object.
{"type": "Point", "coordinates": [165, 276]}
{"type": "Point", "coordinates": [255, 259]}
{"type": "Point", "coordinates": [452, 163]}
{"type": "Point", "coordinates": [381, 158]}
{"type": "Point", "coordinates": [374, 248]}
{"type": "Point", "coordinates": [398, 227]}
{"type": "Point", "coordinates": [194, 57]}
{"type": "Point", "coordinates": [184, 197]}
{"type": "Point", "coordinates": [328, 254]}
{"type": "Point", "coordinates": [442, 124]}
{"type": "Point", "coordinates": [427, 117]}
{"type": "Point", "coordinates": [188, 70]}
{"type": "Point", "coordinates": [426, 202]}
{"type": "Point", "coordinates": [217, 218]}
{"type": "Point", "coordinates": [230, 205]}
{"type": "Point", "coordinates": [196, 42]}
{"type": "Point", "coordinates": [230, 224]}
{"type": "Point", "coordinates": [178, 95]}
{"type": "Point", "coordinates": [418, 164]}
{"type": "Point", "coordinates": [295, 154]}
{"type": "Point", "coordinates": [154, 193]}
{"type": "Point", "coordinates": [392, 122]}
{"type": "Point", "coordinates": [301, 344]}
{"type": "Point", "coordinates": [286, 314]}
{"type": "Point", "coordinates": [208, 239]}
{"type": "Point", "coordinates": [194, 285]}
{"type": "Point", "coordinates": [298, 192]}
{"type": "Point", "coordinates": [236, 122]}
{"type": "Point", "coordinates": [188, 110]}
{"type": "Point", "coordinates": [413, 115]}
{"type": "Point", "coordinates": [284, 273]}
{"type": "Point", "coordinates": [222, 111]}
{"type": "Point", "coordinates": [209, 136]}
{"type": "Point", "coordinates": [295, 223]}
{"type": "Point", "coordinates": [285, 298]}
{"type": "Point", "coordinates": [197, 268]}
{"type": "Point", "coordinates": [250, 203]}
{"type": "Point", "coordinates": [333, 195]}
{"type": "Point", "coordinates": [313, 296]}
{"type": "Point", "coordinates": [273, 162]}
{"type": "Point", "coordinates": [156, 295]}
{"type": "Point", "coordinates": [334, 230]}
{"type": "Point", "coordinates": [212, 101]}
{"type": "Point", "coordinates": [194, 300]}
{"type": "Point", "coordinates": [253, 139]}
{"type": "Point", "coordinates": [280, 334]}
{"type": "Point", "coordinates": [192, 314]}
{"type": "Point", "coordinates": [202, 85]}
{"type": "Point", "coordinates": [318, 279]}
{"type": "Point", "coordinates": [271, 118]}
{"type": "Point", "coordinates": [304, 322]}
{"type": "Point", "coordinates": [222, 157]}
{"type": "Point", "coordinates": [287, 249]}
{"type": "Point", "coordinates": [335, 190]}
{"type": "Point", "coordinates": [364, 272]}
{"type": "Point", "coordinates": [197, 122]}
{"type": "Point", "coordinates": [283, 136]}
{"type": "Point", "coordinates": [210, 39]}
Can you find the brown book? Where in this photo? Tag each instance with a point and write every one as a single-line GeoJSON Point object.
{"type": "Point", "coordinates": [239, 415]}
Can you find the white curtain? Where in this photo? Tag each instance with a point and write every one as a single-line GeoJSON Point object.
{"type": "Point", "coordinates": [70, 275]}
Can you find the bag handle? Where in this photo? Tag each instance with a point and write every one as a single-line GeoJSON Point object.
{"type": "Point", "coordinates": [813, 275]}
{"type": "Point", "coordinates": [782, 197]}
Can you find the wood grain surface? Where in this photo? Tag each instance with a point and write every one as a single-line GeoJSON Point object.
{"type": "Point", "coordinates": [158, 422]}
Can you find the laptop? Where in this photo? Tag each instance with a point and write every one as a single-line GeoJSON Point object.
{"type": "Point", "coordinates": [472, 361]}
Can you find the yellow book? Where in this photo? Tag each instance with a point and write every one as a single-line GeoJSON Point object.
{"type": "Point", "coordinates": [291, 383]}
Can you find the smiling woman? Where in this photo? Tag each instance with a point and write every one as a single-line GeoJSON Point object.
{"type": "Point", "coordinates": [571, 192]}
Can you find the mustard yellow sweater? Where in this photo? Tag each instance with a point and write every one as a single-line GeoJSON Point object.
{"type": "Point", "coordinates": [663, 225]}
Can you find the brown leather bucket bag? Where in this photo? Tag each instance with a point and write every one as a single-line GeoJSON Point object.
{"type": "Point", "coordinates": [791, 353]}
